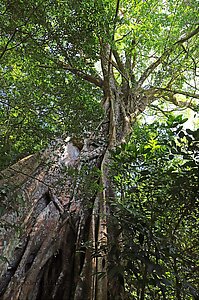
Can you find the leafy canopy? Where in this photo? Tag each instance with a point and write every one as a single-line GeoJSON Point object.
{"type": "Point", "coordinates": [50, 53]}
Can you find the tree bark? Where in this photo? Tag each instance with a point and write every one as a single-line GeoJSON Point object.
{"type": "Point", "coordinates": [54, 256]}
{"type": "Point", "coordinates": [67, 246]}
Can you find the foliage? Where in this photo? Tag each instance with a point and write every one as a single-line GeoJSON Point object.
{"type": "Point", "coordinates": [49, 48]}
{"type": "Point", "coordinates": [157, 210]}
{"type": "Point", "coordinates": [36, 109]}
{"type": "Point", "coordinates": [53, 58]}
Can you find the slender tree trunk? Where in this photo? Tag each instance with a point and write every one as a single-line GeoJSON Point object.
{"type": "Point", "coordinates": [178, 284]}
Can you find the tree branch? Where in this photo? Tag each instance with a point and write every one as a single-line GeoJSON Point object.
{"type": "Point", "coordinates": [94, 80]}
{"type": "Point", "coordinates": [155, 64]}
{"type": "Point", "coordinates": [189, 36]}
{"type": "Point", "coordinates": [188, 94]}
{"type": "Point", "coordinates": [115, 18]}
{"type": "Point", "coordinates": [113, 35]}
{"type": "Point", "coordinates": [165, 113]}
{"type": "Point", "coordinates": [119, 62]}
{"type": "Point", "coordinates": [169, 95]}
{"type": "Point", "coordinates": [8, 42]}
{"type": "Point", "coordinates": [119, 65]}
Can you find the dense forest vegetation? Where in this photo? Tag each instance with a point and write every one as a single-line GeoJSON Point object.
{"type": "Point", "coordinates": [99, 149]}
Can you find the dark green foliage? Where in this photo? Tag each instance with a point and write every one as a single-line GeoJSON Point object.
{"type": "Point", "coordinates": [44, 42]}
{"type": "Point", "coordinates": [39, 99]}
{"type": "Point", "coordinates": [51, 85]}
{"type": "Point", "coordinates": [157, 210]}
{"type": "Point", "coordinates": [31, 117]}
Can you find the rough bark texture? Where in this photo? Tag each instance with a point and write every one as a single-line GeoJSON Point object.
{"type": "Point", "coordinates": [67, 246]}
{"type": "Point", "coordinates": [58, 236]}
{"type": "Point", "coordinates": [54, 256]}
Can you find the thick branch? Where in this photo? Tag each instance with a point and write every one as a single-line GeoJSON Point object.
{"type": "Point", "coordinates": [115, 18]}
{"type": "Point", "coordinates": [119, 62]}
{"type": "Point", "coordinates": [119, 65]}
{"type": "Point", "coordinates": [94, 80]}
{"type": "Point", "coordinates": [113, 35]}
{"type": "Point", "coordinates": [155, 64]}
{"type": "Point", "coordinates": [169, 95]}
{"type": "Point", "coordinates": [188, 94]}
{"type": "Point", "coordinates": [189, 36]}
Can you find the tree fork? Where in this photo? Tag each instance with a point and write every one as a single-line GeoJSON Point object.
{"type": "Point", "coordinates": [64, 249]}
{"type": "Point", "coordinates": [55, 256]}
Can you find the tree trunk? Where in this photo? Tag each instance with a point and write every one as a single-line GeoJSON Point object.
{"type": "Point", "coordinates": [55, 254]}
{"type": "Point", "coordinates": [67, 246]}
{"type": "Point", "coordinates": [60, 251]}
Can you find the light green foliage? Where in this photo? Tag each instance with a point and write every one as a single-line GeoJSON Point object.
{"type": "Point", "coordinates": [157, 210]}
{"type": "Point", "coordinates": [148, 28]}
